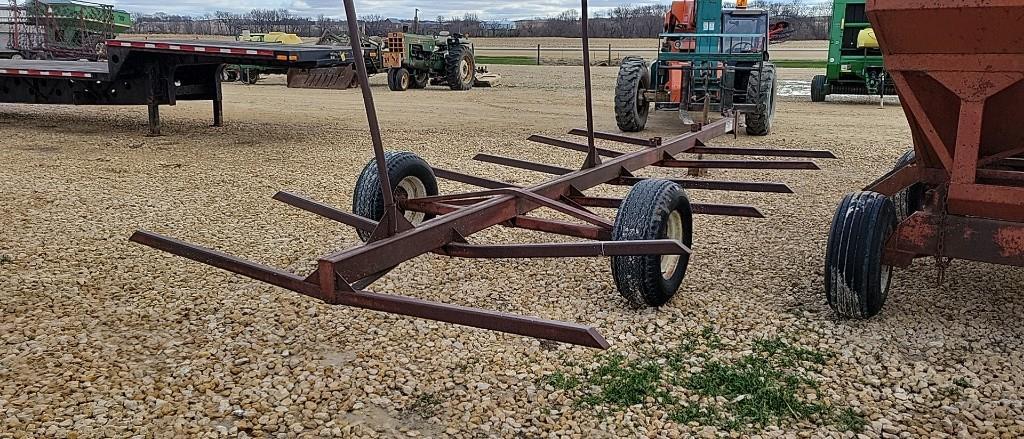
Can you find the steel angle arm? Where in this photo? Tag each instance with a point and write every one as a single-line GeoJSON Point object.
{"type": "Point", "coordinates": [522, 164]}
{"type": "Point", "coordinates": [698, 208]}
{"type": "Point", "coordinates": [654, 141]}
{"type": "Point", "coordinates": [715, 185]}
{"type": "Point", "coordinates": [475, 317]}
{"type": "Point", "coordinates": [568, 249]}
{"type": "Point", "coordinates": [764, 152]}
{"type": "Point", "coordinates": [571, 145]}
{"type": "Point", "coordinates": [364, 224]}
{"type": "Point", "coordinates": [739, 164]}
{"type": "Point", "coordinates": [470, 179]}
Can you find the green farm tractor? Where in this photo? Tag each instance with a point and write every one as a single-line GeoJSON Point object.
{"type": "Point", "coordinates": [414, 61]}
{"type": "Point", "coordinates": [854, 58]}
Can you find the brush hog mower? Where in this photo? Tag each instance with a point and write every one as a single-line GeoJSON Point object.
{"type": "Point", "coordinates": [958, 67]}
{"type": "Point", "coordinates": [400, 213]}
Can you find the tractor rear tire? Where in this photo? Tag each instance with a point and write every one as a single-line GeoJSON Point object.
{"type": "Point", "coordinates": [631, 108]}
{"type": "Point", "coordinates": [856, 281]}
{"type": "Point", "coordinates": [459, 67]}
{"type": "Point", "coordinates": [398, 79]}
{"type": "Point", "coordinates": [761, 89]}
{"type": "Point", "coordinates": [420, 80]}
{"type": "Point", "coordinates": [410, 177]}
{"type": "Point", "coordinates": [819, 88]}
{"type": "Point", "coordinates": [654, 209]}
{"type": "Point", "coordinates": [911, 199]}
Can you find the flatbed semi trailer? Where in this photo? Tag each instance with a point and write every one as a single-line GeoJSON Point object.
{"type": "Point", "coordinates": [153, 73]}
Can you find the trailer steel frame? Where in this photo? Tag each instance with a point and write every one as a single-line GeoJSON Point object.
{"type": "Point", "coordinates": [153, 73]}
{"type": "Point", "coordinates": [341, 278]}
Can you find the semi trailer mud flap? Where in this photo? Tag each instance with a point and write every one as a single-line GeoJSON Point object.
{"type": "Point", "coordinates": [335, 78]}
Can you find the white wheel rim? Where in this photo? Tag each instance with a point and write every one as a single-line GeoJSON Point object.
{"type": "Point", "coordinates": [413, 187]}
{"type": "Point", "coordinates": [405, 83]}
{"type": "Point", "coordinates": [464, 68]}
{"type": "Point", "coordinates": [673, 230]}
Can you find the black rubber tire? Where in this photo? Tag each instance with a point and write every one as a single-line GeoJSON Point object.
{"type": "Point", "coordinates": [454, 74]}
{"type": "Point", "coordinates": [398, 79]}
{"type": "Point", "coordinates": [819, 88]}
{"type": "Point", "coordinates": [856, 282]}
{"type": "Point", "coordinates": [251, 77]}
{"type": "Point", "coordinates": [631, 109]}
{"type": "Point", "coordinates": [761, 89]}
{"type": "Point", "coordinates": [911, 199]}
{"type": "Point", "coordinates": [644, 215]}
{"type": "Point", "coordinates": [367, 199]}
{"type": "Point", "coordinates": [17, 56]}
{"type": "Point", "coordinates": [419, 80]}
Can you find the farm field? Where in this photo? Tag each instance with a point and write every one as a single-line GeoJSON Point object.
{"type": "Point", "coordinates": [103, 337]}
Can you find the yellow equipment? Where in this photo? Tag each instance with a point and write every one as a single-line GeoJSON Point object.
{"type": "Point", "coordinates": [866, 39]}
{"type": "Point", "coordinates": [272, 37]}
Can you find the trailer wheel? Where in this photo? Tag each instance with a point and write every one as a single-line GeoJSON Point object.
{"type": "Point", "coordinates": [911, 199]}
{"type": "Point", "coordinates": [420, 80]}
{"type": "Point", "coordinates": [819, 88]}
{"type": "Point", "coordinates": [251, 77]}
{"type": "Point", "coordinates": [856, 281]}
{"type": "Point", "coordinates": [631, 107]}
{"type": "Point", "coordinates": [459, 67]}
{"type": "Point", "coordinates": [761, 89]}
{"type": "Point", "coordinates": [17, 56]}
{"type": "Point", "coordinates": [410, 177]}
{"type": "Point", "coordinates": [654, 209]}
{"type": "Point", "coordinates": [398, 79]}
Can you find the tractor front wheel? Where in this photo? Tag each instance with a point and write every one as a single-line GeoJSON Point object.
{"type": "Point", "coordinates": [631, 107]}
{"type": "Point", "coordinates": [819, 88]}
{"type": "Point", "coordinates": [459, 67]}
{"type": "Point", "coordinates": [856, 280]}
{"type": "Point", "coordinates": [398, 79]}
{"type": "Point", "coordinates": [761, 88]}
{"type": "Point", "coordinates": [420, 80]}
{"type": "Point", "coordinates": [654, 209]}
{"type": "Point", "coordinates": [410, 177]}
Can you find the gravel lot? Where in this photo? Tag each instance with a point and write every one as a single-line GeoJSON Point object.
{"type": "Point", "coordinates": [99, 336]}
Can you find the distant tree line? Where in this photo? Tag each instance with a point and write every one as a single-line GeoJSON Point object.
{"type": "Point", "coordinates": [809, 20]}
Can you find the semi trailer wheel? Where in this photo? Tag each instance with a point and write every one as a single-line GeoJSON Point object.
{"type": "Point", "coordinates": [761, 89]}
{"type": "Point", "coordinates": [631, 107]}
{"type": "Point", "coordinates": [654, 209]}
{"type": "Point", "coordinates": [420, 80]}
{"type": "Point", "coordinates": [856, 280]}
{"type": "Point", "coordinates": [911, 199]}
{"type": "Point", "coordinates": [459, 67]}
{"type": "Point", "coordinates": [398, 79]}
{"type": "Point", "coordinates": [410, 177]}
{"type": "Point", "coordinates": [819, 88]}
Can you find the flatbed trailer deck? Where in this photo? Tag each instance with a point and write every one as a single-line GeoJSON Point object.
{"type": "Point", "coordinates": [153, 73]}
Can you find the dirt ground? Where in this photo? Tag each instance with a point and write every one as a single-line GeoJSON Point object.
{"type": "Point", "coordinates": [100, 336]}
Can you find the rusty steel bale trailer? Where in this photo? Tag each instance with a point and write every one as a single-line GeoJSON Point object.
{"type": "Point", "coordinates": [400, 215]}
{"type": "Point", "coordinates": [958, 67]}
{"type": "Point", "coordinates": [153, 73]}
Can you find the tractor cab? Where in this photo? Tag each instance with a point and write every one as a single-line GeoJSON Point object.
{"type": "Point", "coordinates": [745, 31]}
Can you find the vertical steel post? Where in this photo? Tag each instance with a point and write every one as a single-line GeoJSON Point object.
{"type": "Point", "coordinates": [538, 54]}
{"type": "Point", "coordinates": [371, 118]}
{"type": "Point", "coordinates": [592, 158]}
{"type": "Point", "coordinates": [154, 120]}
{"type": "Point", "coordinates": [609, 54]}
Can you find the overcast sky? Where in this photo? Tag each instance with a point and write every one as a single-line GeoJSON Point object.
{"type": "Point", "coordinates": [488, 10]}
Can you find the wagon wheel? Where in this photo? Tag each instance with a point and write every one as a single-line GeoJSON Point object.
{"type": "Point", "coordinates": [654, 209]}
{"type": "Point", "coordinates": [911, 199]}
{"type": "Point", "coordinates": [419, 80]}
{"type": "Point", "coordinates": [398, 79]}
{"type": "Point", "coordinates": [410, 177]}
{"type": "Point", "coordinates": [856, 281]}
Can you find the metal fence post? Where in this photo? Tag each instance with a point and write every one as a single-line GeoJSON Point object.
{"type": "Point", "coordinates": [538, 54]}
{"type": "Point", "coordinates": [609, 54]}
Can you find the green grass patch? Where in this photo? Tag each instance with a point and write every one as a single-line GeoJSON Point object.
{"type": "Point", "coordinates": [513, 60]}
{"type": "Point", "coordinates": [769, 386]}
{"type": "Point", "coordinates": [800, 64]}
{"type": "Point", "coordinates": [425, 405]}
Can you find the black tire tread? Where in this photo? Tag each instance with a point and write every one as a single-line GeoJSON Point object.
{"type": "Point", "coordinates": [642, 216]}
{"type": "Point", "coordinates": [853, 261]}
{"type": "Point", "coordinates": [633, 75]}
{"type": "Point", "coordinates": [762, 78]}
{"type": "Point", "coordinates": [367, 200]}
{"type": "Point", "coordinates": [451, 67]}
{"type": "Point", "coordinates": [818, 88]}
